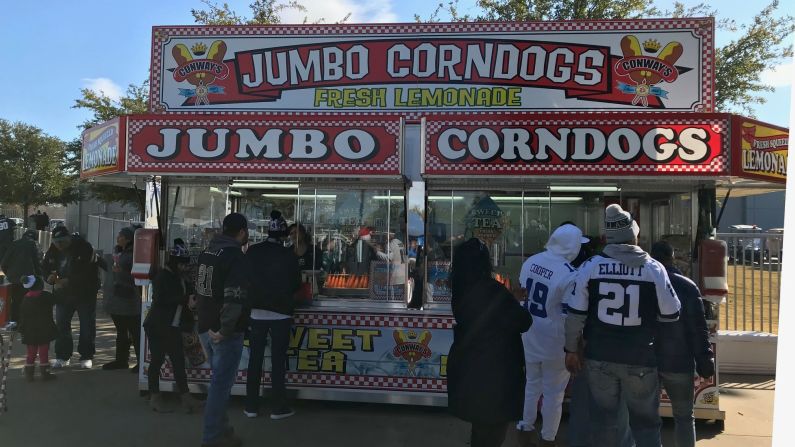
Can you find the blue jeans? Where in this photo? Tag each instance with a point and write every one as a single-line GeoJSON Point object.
{"type": "Point", "coordinates": [86, 344]}
{"type": "Point", "coordinates": [640, 388]}
{"type": "Point", "coordinates": [258, 339]}
{"type": "Point", "coordinates": [680, 389]}
{"type": "Point", "coordinates": [581, 424]}
{"type": "Point", "coordinates": [224, 359]}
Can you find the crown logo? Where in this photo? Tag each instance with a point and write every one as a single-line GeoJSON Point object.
{"type": "Point", "coordinates": [651, 46]}
{"type": "Point", "coordinates": [199, 49]}
{"type": "Point", "coordinates": [412, 335]}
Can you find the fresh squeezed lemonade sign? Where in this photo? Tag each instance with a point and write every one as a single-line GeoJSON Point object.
{"type": "Point", "coordinates": [596, 65]}
{"type": "Point", "coordinates": [101, 149]}
{"type": "Point", "coordinates": [760, 150]}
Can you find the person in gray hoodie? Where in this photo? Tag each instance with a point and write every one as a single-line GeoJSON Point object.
{"type": "Point", "coordinates": [124, 303]}
{"type": "Point", "coordinates": [617, 301]}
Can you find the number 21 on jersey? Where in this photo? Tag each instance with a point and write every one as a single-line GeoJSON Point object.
{"type": "Point", "coordinates": [612, 297]}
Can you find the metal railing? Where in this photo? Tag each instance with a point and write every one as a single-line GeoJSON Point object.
{"type": "Point", "coordinates": [754, 277]}
{"type": "Point", "coordinates": [102, 232]}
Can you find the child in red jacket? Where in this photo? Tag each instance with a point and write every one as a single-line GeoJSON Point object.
{"type": "Point", "coordinates": [38, 328]}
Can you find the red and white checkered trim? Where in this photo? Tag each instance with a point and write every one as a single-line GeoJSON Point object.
{"type": "Point", "coordinates": [325, 380]}
{"type": "Point", "coordinates": [390, 166]}
{"type": "Point", "coordinates": [370, 320]}
{"type": "Point", "coordinates": [719, 165]}
{"type": "Point", "coordinates": [136, 125]}
{"type": "Point", "coordinates": [583, 120]}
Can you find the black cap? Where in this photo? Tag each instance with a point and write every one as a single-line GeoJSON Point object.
{"type": "Point", "coordinates": [662, 251]}
{"type": "Point", "coordinates": [128, 233]}
{"type": "Point", "coordinates": [234, 222]}
{"type": "Point", "coordinates": [60, 233]}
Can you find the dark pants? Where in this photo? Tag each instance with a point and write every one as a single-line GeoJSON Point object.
{"type": "Point", "coordinates": [128, 332]}
{"type": "Point", "coordinates": [258, 339]}
{"type": "Point", "coordinates": [488, 435]}
{"type": "Point", "coordinates": [17, 294]}
{"type": "Point", "coordinates": [162, 342]}
{"type": "Point", "coordinates": [86, 345]}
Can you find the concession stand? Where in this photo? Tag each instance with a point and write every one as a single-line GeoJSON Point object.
{"type": "Point", "coordinates": [391, 143]}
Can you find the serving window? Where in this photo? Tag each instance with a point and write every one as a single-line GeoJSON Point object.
{"type": "Point", "coordinates": [356, 237]}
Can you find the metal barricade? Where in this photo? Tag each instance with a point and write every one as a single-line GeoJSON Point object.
{"type": "Point", "coordinates": [754, 276]}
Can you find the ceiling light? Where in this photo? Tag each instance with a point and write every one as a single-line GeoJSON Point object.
{"type": "Point", "coordinates": [554, 188]}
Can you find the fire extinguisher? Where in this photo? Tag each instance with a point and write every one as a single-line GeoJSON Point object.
{"type": "Point", "coordinates": [145, 255]}
{"type": "Point", "coordinates": [713, 260]}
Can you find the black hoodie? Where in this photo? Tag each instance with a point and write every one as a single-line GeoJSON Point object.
{"type": "Point", "coordinates": [274, 276]}
{"type": "Point", "coordinates": [221, 287]}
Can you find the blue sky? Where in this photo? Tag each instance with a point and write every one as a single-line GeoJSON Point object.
{"type": "Point", "coordinates": [53, 48]}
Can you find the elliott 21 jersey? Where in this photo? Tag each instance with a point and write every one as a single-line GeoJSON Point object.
{"type": "Point", "coordinates": [623, 306]}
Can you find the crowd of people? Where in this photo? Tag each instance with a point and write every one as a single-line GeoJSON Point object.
{"type": "Point", "coordinates": [621, 323]}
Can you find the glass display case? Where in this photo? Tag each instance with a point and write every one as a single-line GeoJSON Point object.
{"type": "Point", "coordinates": [356, 236]}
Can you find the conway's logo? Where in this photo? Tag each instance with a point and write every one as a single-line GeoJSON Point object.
{"type": "Point", "coordinates": [411, 347]}
{"type": "Point", "coordinates": [202, 71]}
{"type": "Point", "coordinates": [646, 66]}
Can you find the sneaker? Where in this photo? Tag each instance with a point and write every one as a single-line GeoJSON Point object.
{"type": "Point", "coordinates": [59, 363]}
{"type": "Point", "coordinates": [233, 441]}
{"type": "Point", "coordinates": [134, 369]}
{"type": "Point", "coordinates": [158, 404]}
{"type": "Point", "coordinates": [527, 438]}
{"type": "Point", "coordinates": [282, 413]}
{"type": "Point", "coordinates": [86, 364]}
{"type": "Point", "coordinates": [250, 414]}
{"type": "Point", "coordinates": [116, 364]}
{"type": "Point", "coordinates": [189, 403]}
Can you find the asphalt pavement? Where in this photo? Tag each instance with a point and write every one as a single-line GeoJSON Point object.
{"type": "Point", "coordinates": [89, 408]}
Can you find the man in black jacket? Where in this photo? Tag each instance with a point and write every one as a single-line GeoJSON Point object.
{"type": "Point", "coordinates": [71, 266]}
{"type": "Point", "coordinates": [221, 289]}
{"type": "Point", "coordinates": [274, 279]}
{"type": "Point", "coordinates": [681, 343]}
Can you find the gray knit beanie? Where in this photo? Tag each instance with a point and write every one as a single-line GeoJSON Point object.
{"type": "Point", "coordinates": [619, 226]}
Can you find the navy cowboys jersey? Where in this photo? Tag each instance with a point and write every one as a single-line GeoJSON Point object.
{"type": "Point", "coordinates": [623, 306]}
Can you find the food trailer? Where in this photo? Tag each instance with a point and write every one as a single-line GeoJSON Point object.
{"type": "Point", "coordinates": [391, 143]}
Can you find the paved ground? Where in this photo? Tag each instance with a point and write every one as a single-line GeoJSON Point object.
{"type": "Point", "coordinates": [89, 408]}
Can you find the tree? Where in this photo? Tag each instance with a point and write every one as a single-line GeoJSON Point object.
{"type": "Point", "coordinates": [738, 64]}
{"type": "Point", "coordinates": [32, 167]}
{"type": "Point", "coordinates": [104, 108]}
{"type": "Point", "coordinates": [264, 12]}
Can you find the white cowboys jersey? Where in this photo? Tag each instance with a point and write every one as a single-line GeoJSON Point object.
{"type": "Point", "coordinates": [623, 305]}
{"type": "Point", "coordinates": [546, 277]}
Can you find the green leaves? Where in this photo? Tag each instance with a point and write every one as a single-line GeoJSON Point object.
{"type": "Point", "coordinates": [32, 167]}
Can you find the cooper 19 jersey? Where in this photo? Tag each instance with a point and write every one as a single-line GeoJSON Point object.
{"type": "Point", "coordinates": [547, 278]}
{"type": "Point", "coordinates": [623, 306]}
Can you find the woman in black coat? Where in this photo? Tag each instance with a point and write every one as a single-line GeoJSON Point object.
{"type": "Point", "coordinates": [485, 368]}
{"type": "Point", "coordinates": [168, 317]}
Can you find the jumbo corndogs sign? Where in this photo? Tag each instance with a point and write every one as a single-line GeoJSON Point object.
{"type": "Point", "coordinates": [639, 65]}
{"type": "Point", "coordinates": [588, 144]}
